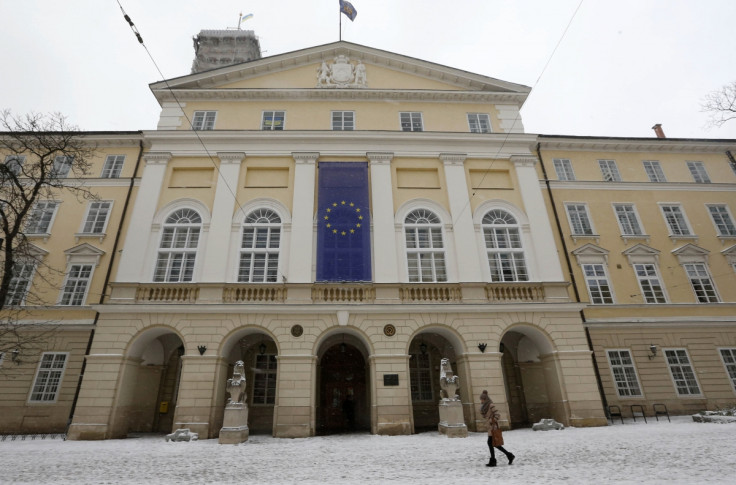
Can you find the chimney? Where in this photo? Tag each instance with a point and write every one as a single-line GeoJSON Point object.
{"type": "Point", "coordinates": [658, 130]}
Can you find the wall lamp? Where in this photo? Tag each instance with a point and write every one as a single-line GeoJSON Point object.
{"type": "Point", "coordinates": [202, 349]}
{"type": "Point", "coordinates": [423, 348]}
{"type": "Point", "coordinates": [262, 348]}
{"type": "Point", "coordinates": [482, 347]}
{"type": "Point", "coordinates": [652, 351]}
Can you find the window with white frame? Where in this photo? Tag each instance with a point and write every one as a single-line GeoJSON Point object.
{"type": "Point", "coordinates": [503, 246]}
{"type": "Point", "coordinates": [204, 120]}
{"type": "Point", "coordinates": [264, 379]}
{"type": "Point", "coordinates": [41, 217]}
{"type": "Point", "coordinates": [579, 219]}
{"type": "Point", "coordinates": [62, 166]}
{"type": "Point", "coordinates": [343, 120]}
{"type": "Point", "coordinates": [596, 280]}
{"type": "Point", "coordinates": [273, 120]}
{"type": "Point", "coordinates": [722, 219]}
{"type": "Point", "coordinates": [113, 166]}
{"type": "Point", "coordinates": [76, 284]}
{"type": "Point", "coordinates": [563, 168]}
{"type": "Point", "coordinates": [624, 373]}
{"type": "Point", "coordinates": [411, 121]}
{"type": "Point", "coordinates": [729, 360]}
{"type": "Point", "coordinates": [700, 280]}
{"type": "Point", "coordinates": [20, 283]}
{"type": "Point", "coordinates": [628, 220]}
{"type": "Point", "coordinates": [649, 282]}
{"type": "Point", "coordinates": [420, 377]}
{"type": "Point", "coordinates": [609, 170]}
{"type": "Point", "coordinates": [14, 163]}
{"type": "Point", "coordinates": [682, 372]}
{"type": "Point", "coordinates": [654, 171]}
{"type": "Point", "coordinates": [479, 123]}
{"type": "Point", "coordinates": [259, 247]}
{"type": "Point", "coordinates": [178, 249]}
{"type": "Point", "coordinates": [425, 251]}
{"type": "Point", "coordinates": [676, 221]}
{"type": "Point", "coordinates": [97, 215]}
{"type": "Point", "coordinates": [47, 383]}
{"type": "Point", "coordinates": [697, 170]}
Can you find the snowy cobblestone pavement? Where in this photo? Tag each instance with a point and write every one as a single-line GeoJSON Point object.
{"type": "Point", "coordinates": [658, 452]}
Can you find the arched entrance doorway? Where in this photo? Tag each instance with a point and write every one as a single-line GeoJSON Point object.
{"type": "Point", "coordinates": [343, 404]}
{"type": "Point", "coordinates": [531, 377]}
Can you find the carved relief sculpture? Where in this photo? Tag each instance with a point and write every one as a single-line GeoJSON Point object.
{"type": "Point", "coordinates": [341, 74]}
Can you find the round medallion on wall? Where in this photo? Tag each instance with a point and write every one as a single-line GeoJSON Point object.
{"type": "Point", "coordinates": [389, 330]}
{"type": "Point", "coordinates": [297, 331]}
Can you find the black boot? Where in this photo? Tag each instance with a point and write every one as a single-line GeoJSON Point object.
{"type": "Point", "coordinates": [511, 458]}
{"type": "Point", "coordinates": [492, 462]}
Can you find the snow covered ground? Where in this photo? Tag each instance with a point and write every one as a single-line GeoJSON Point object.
{"type": "Point", "coordinates": [658, 452]}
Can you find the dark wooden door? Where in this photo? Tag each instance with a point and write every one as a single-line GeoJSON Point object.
{"type": "Point", "coordinates": [342, 395]}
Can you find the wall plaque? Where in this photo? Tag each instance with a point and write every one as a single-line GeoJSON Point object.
{"type": "Point", "coordinates": [390, 379]}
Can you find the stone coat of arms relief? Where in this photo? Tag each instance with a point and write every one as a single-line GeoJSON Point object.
{"type": "Point", "coordinates": [341, 74]}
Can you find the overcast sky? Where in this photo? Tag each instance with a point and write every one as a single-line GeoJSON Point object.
{"type": "Point", "coordinates": [622, 66]}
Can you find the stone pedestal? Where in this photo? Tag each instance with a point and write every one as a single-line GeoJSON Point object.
{"type": "Point", "coordinates": [235, 424]}
{"type": "Point", "coordinates": [452, 422]}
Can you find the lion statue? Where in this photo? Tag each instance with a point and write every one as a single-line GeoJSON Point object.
{"type": "Point", "coordinates": [236, 385]}
{"type": "Point", "coordinates": [448, 382]}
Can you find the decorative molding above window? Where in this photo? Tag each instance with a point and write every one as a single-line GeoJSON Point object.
{"type": "Point", "coordinates": [641, 253]}
{"type": "Point", "coordinates": [591, 254]}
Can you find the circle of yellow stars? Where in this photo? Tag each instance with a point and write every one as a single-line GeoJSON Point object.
{"type": "Point", "coordinates": [343, 205]}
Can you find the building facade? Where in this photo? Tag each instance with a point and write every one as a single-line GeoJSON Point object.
{"type": "Point", "coordinates": [341, 218]}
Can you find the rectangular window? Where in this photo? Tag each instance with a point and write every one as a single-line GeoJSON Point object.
{"type": "Point", "coordinates": [597, 282]}
{"type": "Point", "coordinates": [609, 170]}
{"type": "Point", "coordinates": [628, 220]}
{"type": "Point", "coordinates": [96, 219]}
{"type": "Point", "coordinates": [421, 382]}
{"type": "Point", "coordinates": [20, 283]}
{"type": "Point", "coordinates": [76, 285]}
{"type": "Point", "coordinates": [343, 120]}
{"type": "Point", "coordinates": [654, 171]}
{"type": "Point", "coordinates": [676, 221]}
{"type": "Point", "coordinates": [411, 121]}
{"type": "Point", "coordinates": [204, 120]}
{"type": "Point", "coordinates": [624, 373]}
{"type": "Point", "coordinates": [579, 220]}
{"type": "Point", "coordinates": [479, 123]}
{"type": "Point", "coordinates": [264, 381]}
{"type": "Point", "coordinates": [62, 166]}
{"type": "Point", "coordinates": [705, 291]}
{"type": "Point", "coordinates": [651, 288]}
{"type": "Point", "coordinates": [682, 372]}
{"type": "Point", "coordinates": [273, 120]}
{"type": "Point", "coordinates": [697, 170]}
{"type": "Point", "coordinates": [722, 220]}
{"type": "Point", "coordinates": [14, 163]}
{"type": "Point", "coordinates": [40, 218]}
{"type": "Point", "coordinates": [48, 377]}
{"type": "Point", "coordinates": [113, 166]}
{"type": "Point", "coordinates": [563, 168]}
{"type": "Point", "coordinates": [729, 360]}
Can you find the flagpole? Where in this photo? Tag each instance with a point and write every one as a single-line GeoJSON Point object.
{"type": "Point", "coordinates": [339, 14]}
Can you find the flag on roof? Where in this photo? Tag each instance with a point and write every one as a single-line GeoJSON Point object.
{"type": "Point", "coordinates": [348, 9]}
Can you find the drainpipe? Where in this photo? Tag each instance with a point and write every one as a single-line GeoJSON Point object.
{"type": "Point", "coordinates": [731, 159]}
{"type": "Point", "coordinates": [107, 281]}
{"type": "Point", "coordinates": [572, 279]}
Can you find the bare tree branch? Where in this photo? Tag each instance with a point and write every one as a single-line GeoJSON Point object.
{"type": "Point", "coordinates": [721, 105]}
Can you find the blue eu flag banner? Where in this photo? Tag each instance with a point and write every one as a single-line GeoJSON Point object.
{"type": "Point", "coordinates": [348, 9]}
{"type": "Point", "coordinates": [343, 220]}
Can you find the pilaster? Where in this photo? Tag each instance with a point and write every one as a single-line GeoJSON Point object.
{"type": "Point", "coordinates": [384, 242]}
{"type": "Point", "coordinates": [302, 226]}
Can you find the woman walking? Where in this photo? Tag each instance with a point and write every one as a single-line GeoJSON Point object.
{"type": "Point", "coordinates": [495, 438]}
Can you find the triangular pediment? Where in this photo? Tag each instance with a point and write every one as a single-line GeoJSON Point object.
{"type": "Point", "coordinates": [641, 253]}
{"type": "Point", "coordinates": [300, 70]}
{"type": "Point", "coordinates": [590, 253]}
{"type": "Point", "coordinates": [690, 253]}
{"type": "Point", "coordinates": [84, 253]}
{"type": "Point", "coordinates": [730, 254]}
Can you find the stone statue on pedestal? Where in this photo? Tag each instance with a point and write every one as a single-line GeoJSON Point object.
{"type": "Point", "coordinates": [452, 421]}
{"type": "Point", "coordinates": [235, 422]}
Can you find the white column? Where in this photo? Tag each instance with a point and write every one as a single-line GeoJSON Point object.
{"type": "Point", "coordinates": [466, 247]}
{"type": "Point", "coordinates": [302, 221]}
{"type": "Point", "coordinates": [385, 262]}
{"type": "Point", "coordinates": [548, 261]}
{"type": "Point", "coordinates": [131, 268]}
{"type": "Point", "coordinates": [218, 244]}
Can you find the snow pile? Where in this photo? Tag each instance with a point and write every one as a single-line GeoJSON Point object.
{"type": "Point", "coordinates": [681, 452]}
{"type": "Point", "coordinates": [725, 415]}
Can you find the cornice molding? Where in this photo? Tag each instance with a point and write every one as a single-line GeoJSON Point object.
{"type": "Point", "coordinates": [379, 158]}
{"type": "Point", "coordinates": [671, 145]}
{"type": "Point", "coordinates": [230, 157]}
{"type": "Point", "coordinates": [524, 160]}
{"type": "Point", "coordinates": [309, 158]}
{"type": "Point", "coordinates": [453, 159]}
{"type": "Point", "coordinates": [647, 186]}
{"type": "Point", "coordinates": [157, 158]}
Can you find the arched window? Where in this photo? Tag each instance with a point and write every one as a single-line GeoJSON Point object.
{"type": "Point", "coordinates": [425, 251]}
{"type": "Point", "coordinates": [503, 244]}
{"type": "Point", "coordinates": [178, 248]}
{"type": "Point", "coordinates": [259, 247]}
